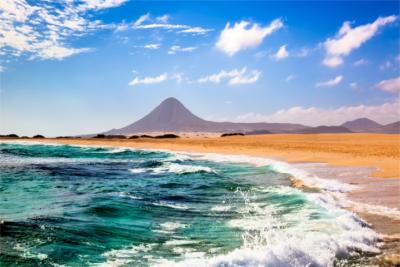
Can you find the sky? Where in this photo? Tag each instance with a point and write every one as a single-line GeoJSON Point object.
{"type": "Point", "coordinates": [79, 67]}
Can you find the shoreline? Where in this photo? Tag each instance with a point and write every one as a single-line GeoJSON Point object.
{"type": "Point", "coordinates": [371, 191]}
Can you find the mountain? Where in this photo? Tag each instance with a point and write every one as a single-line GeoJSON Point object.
{"type": "Point", "coordinates": [172, 116]}
{"type": "Point", "coordinates": [362, 125]}
{"type": "Point", "coordinates": [325, 129]}
{"type": "Point", "coordinates": [390, 128]}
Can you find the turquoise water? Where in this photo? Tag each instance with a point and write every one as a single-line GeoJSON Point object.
{"type": "Point", "coordinates": [91, 206]}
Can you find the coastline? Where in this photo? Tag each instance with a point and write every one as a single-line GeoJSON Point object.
{"type": "Point", "coordinates": [348, 165]}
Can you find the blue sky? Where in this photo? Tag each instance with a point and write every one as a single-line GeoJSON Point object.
{"type": "Point", "coordinates": [77, 67]}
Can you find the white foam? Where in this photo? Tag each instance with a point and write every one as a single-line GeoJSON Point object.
{"type": "Point", "coordinates": [295, 239]}
{"type": "Point", "coordinates": [180, 242]}
{"type": "Point", "coordinates": [171, 205]}
{"type": "Point", "coordinates": [372, 209]}
{"type": "Point", "coordinates": [278, 166]}
{"type": "Point", "coordinates": [221, 208]}
{"type": "Point", "coordinates": [123, 256]}
{"type": "Point", "coordinates": [127, 195]}
{"type": "Point", "coordinates": [171, 226]}
{"type": "Point", "coordinates": [169, 167]}
{"type": "Point", "coordinates": [138, 170]}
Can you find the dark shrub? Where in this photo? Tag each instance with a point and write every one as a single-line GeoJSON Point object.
{"type": "Point", "coordinates": [231, 134]}
{"type": "Point", "coordinates": [116, 136]}
{"type": "Point", "coordinates": [146, 136]}
{"type": "Point", "coordinates": [167, 136]}
{"type": "Point", "coordinates": [12, 136]}
{"type": "Point", "coordinates": [38, 136]}
{"type": "Point", "coordinates": [99, 136]}
{"type": "Point", "coordinates": [133, 137]}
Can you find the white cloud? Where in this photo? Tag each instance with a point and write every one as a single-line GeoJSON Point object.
{"type": "Point", "coordinates": [390, 85]}
{"type": "Point", "coordinates": [234, 77]}
{"type": "Point", "coordinates": [147, 22]}
{"type": "Point", "coordinates": [330, 83]}
{"type": "Point", "coordinates": [244, 35]}
{"type": "Point", "coordinates": [162, 26]}
{"type": "Point", "coordinates": [348, 39]}
{"type": "Point", "coordinates": [141, 19]}
{"type": "Point", "coordinates": [360, 62]}
{"type": "Point", "coordinates": [176, 48]}
{"type": "Point", "coordinates": [313, 116]}
{"type": "Point", "coordinates": [179, 77]}
{"type": "Point", "coordinates": [2, 69]}
{"type": "Point", "coordinates": [152, 46]}
{"type": "Point", "coordinates": [333, 61]}
{"type": "Point", "coordinates": [290, 77]}
{"type": "Point", "coordinates": [281, 53]}
{"type": "Point", "coordinates": [59, 52]}
{"type": "Point", "coordinates": [42, 30]}
{"type": "Point", "coordinates": [196, 30]}
{"type": "Point", "coordinates": [148, 80]}
{"type": "Point", "coordinates": [100, 4]}
{"type": "Point", "coordinates": [163, 19]}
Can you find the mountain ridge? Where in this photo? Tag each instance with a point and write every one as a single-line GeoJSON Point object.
{"type": "Point", "coordinates": [172, 116]}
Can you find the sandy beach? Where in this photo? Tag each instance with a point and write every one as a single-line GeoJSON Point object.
{"type": "Point", "coordinates": [369, 161]}
{"type": "Point", "coordinates": [378, 151]}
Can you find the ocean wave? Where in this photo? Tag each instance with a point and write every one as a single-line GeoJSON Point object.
{"type": "Point", "coordinates": [281, 167]}
{"type": "Point", "coordinates": [180, 242]}
{"type": "Point", "coordinates": [169, 167]}
{"type": "Point", "coordinates": [372, 209]}
{"type": "Point", "coordinates": [126, 195]}
{"type": "Point", "coordinates": [123, 256]}
{"type": "Point", "coordinates": [171, 226]}
{"type": "Point", "coordinates": [269, 240]}
{"type": "Point", "coordinates": [221, 208]}
{"type": "Point", "coordinates": [16, 161]}
{"type": "Point", "coordinates": [171, 205]}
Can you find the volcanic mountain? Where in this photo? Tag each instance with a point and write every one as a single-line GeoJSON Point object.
{"type": "Point", "coordinates": [362, 125]}
{"type": "Point", "coordinates": [172, 116]}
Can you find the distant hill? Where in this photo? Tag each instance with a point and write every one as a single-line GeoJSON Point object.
{"type": "Point", "coordinates": [390, 128]}
{"type": "Point", "coordinates": [172, 116]}
{"type": "Point", "coordinates": [324, 129]}
{"type": "Point", "coordinates": [362, 125]}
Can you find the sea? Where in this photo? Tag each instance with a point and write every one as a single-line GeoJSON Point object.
{"type": "Point", "coordinates": [67, 205]}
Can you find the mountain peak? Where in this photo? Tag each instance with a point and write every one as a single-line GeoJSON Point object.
{"type": "Point", "coordinates": [172, 116]}
{"type": "Point", "coordinates": [361, 125]}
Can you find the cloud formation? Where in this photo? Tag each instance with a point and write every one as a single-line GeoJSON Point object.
{"type": "Point", "coordinates": [161, 22]}
{"type": "Point", "coordinates": [42, 30]}
{"type": "Point", "coordinates": [281, 53]}
{"type": "Point", "coordinates": [348, 39]}
{"type": "Point", "coordinates": [195, 30]}
{"type": "Point", "coordinates": [234, 77]}
{"type": "Point", "coordinates": [390, 85]}
{"type": "Point", "coordinates": [244, 35]}
{"type": "Point", "coordinates": [148, 80]}
{"type": "Point", "coordinates": [360, 62]}
{"type": "Point", "coordinates": [330, 83]}
{"type": "Point", "coordinates": [152, 46]}
{"type": "Point", "coordinates": [176, 48]}
{"type": "Point", "coordinates": [313, 116]}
